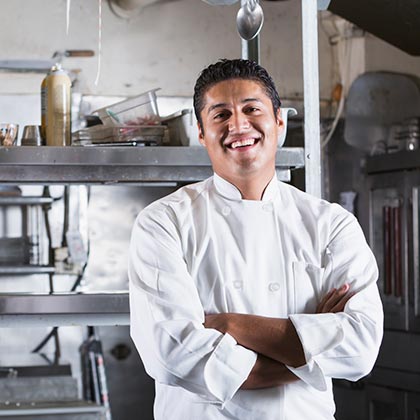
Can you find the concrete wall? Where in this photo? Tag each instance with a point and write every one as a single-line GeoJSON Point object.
{"type": "Point", "coordinates": [164, 46]}
{"type": "Point", "coordinates": [382, 56]}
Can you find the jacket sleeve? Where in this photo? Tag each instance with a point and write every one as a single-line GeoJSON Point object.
{"type": "Point", "coordinates": [167, 316]}
{"type": "Point", "coordinates": [345, 344]}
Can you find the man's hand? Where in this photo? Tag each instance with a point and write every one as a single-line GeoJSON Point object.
{"type": "Point", "coordinates": [335, 300]}
{"type": "Point", "coordinates": [219, 322]}
{"type": "Point", "coordinates": [268, 373]}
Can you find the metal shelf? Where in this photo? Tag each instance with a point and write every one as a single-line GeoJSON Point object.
{"type": "Point", "coordinates": [398, 161]}
{"type": "Point", "coordinates": [109, 165]}
{"type": "Point", "coordinates": [48, 409]}
{"type": "Point", "coordinates": [25, 270]}
{"type": "Point", "coordinates": [24, 201]}
{"type": "Point", "coordinates": [41, 310]}
{"type": "Point", "coordinates": [98, 165]}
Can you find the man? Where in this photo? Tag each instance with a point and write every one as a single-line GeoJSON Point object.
{"type": "Point", "coordinates": [239, 285]}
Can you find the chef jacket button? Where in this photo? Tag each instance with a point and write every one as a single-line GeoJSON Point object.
{"type": "Point", "coordinates": [274, 287]}
{"type": "Point", "coordinates": [237, 284]}
{"type": "Point", "coordinates": [226, 211]}
{"type": "Point", "coordinates": [267, 207]}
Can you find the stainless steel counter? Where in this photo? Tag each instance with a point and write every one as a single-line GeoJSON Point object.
{"type": "Point", "coordinates": [109, 165]}
{"type": "Point", "coordinates": [40, 310]}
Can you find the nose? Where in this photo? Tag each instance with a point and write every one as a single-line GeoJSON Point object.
{"type": "Point", "coordinates": [238, 122]}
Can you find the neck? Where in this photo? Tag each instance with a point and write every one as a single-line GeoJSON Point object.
{"type": "Point", "coordinates": [252, 187]}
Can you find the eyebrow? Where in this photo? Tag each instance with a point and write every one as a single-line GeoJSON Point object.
{"type": "Point", "coordinates": [223, 104]}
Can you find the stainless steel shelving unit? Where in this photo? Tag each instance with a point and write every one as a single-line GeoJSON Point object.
{"type": "Point", "coordinates": [147, 165]}
{"type": "Point", "coordinates": [98, 165]}
{"type": "Point", "coordinates": [117, 165]}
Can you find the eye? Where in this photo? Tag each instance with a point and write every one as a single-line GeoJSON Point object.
{"type": "Point", "coordinates": [221, 115]}
{"type": "Point", "coordinates": [252, 109]}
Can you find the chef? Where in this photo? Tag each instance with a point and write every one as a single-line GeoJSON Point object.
{"type": "Point", "coordinates": [247, 295]}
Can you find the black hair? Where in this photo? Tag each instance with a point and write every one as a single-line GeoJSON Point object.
{"type": "Point", "coordinates": [233, 69]}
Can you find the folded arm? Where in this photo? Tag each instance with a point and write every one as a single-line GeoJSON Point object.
{"type": "Point", "coordinates": [274, 339]}
{"type": "Point", "coordinates": [167, 318]}
{"type": "Point", "coordinates": [338, 342]}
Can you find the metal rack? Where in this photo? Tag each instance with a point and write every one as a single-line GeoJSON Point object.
{"type": "Point", "coordinates": [39, 410]}
{"type": "Point", "coordinates": [152, 165]}
{"type": "Point", "coordinates": [142, 166]}
{"type": "Point", "coordinates": [117, 165]}
{"type": "Point", "coordinates": [97, 165]}
{"type": "Point", "coordinates": [64, 309]}
{"type": "Point", "coordinates": [23, 201]}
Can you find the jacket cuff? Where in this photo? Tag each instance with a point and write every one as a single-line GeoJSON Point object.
{"type": "Point", "coordinates": [312, 374]}
{"type": "Point", "coordinates": [317, 333]}
{"type": "Point", "coordinates": [227, 368]}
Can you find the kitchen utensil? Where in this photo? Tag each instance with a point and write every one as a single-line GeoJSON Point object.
{"type": "Point", "coordinates": [8, 133]}
{"type": "Point", "coordinates": [31, 136]}
{"type": "Point", "coordinates": [182, 126]}
{"type": "Point", "coordinates": [249, 20]}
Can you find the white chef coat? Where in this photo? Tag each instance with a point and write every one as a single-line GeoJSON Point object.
{"type": "Point", "coordinates": [203, 250]}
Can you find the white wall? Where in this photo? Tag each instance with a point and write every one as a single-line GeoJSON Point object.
{"type": "Point", "coordinates": [382, 56]}
{"type": "Point", "coordinates": [166, 45]}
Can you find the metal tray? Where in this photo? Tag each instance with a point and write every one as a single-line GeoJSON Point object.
{"type": "Point", "coordinates": [100, 135]}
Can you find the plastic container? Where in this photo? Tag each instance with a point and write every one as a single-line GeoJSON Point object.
{"type": "Point", "coordinates": [138, 110]}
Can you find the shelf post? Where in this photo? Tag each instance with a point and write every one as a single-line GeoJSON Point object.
{"type": "Point", "coordinates": [311, 97]}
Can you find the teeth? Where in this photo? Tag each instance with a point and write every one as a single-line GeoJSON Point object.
{"type": "Point", "coordinates": [241, 143]}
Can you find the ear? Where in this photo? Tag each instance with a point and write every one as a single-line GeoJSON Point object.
{"type": "Point", "coordinates": [279, 119]}
{"type": "Point", "coordinates": [201, 135]}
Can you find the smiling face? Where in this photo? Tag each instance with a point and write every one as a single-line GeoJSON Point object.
{"type": "Point", "coordinates": [240, 130]}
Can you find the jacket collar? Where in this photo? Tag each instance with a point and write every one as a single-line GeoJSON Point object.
{"type": "Point", "coordinates": [231, 192]}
